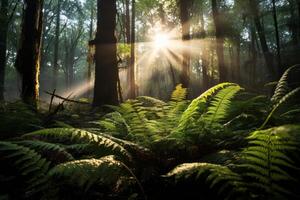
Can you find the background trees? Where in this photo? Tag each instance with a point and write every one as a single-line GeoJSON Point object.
{"type": "Point", "coordinates": [249, 42]}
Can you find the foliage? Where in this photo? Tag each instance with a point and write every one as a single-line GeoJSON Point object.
{"type": "Point", "coordinates": [214, 145]}
{"type": "Point", "coordinates": [99, 145]}
{"type": "Point", "coordinates": [22, 169]}
{"type": "Point", "coordinates": [265, 166]}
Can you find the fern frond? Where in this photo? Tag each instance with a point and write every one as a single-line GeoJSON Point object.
{"type": "Point", "coordinates": [27, 167]}
{"type": "Point", "coordinates": [53, 152]}
{"type": "Point", "coordinates": [198, 106]}
{"type": "Point", "coordinates": [268, 161]}
{"type": "Point", "coordinates": [150, 101]}
{"type": "Point", "coordinates": [88, 172]}
{"type": "Point", "coordinates": [220, 105]}
{"type": "Point", "coordinates": [220, 177]}
{"type": "Point", "coordinates": [179, 94]}
{"type": "Point", "coordinates": [283, 100]}
{"type": "Point", "coordinates": [282, 88]}
{"type": "Point", "coordinates": [206, 113]}
{"type": "Point", "coordinates": [101, 146]}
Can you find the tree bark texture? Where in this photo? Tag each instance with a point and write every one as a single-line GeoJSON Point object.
{"type": "Point", "coordinates": [28, 56]}
{"type": "Point", "coordinates": [106, 70]}
{"type": "Point", "coordinates": [3, 44]}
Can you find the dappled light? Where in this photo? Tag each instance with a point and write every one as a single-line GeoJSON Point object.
{"type": "Point", "coordinates": [149, 99]}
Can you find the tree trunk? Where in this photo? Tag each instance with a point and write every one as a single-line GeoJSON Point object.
{"type": "Point", "coordinates": [293, 23]}
{"type": "Point", "coordinates": [281, 70]}
{"type": "Point", "coordinates": [132, 92]}
{"type": "Point", "coordinates": [203, 57]}
{"type": "Point", "coordinates": [127, 22]}
{"type": "Point", "coordinates": [185, 26]}
{"type": "Point", "coordinates": [90, 59]}
{"type": "Point", "coordinates": [28, 57]}
{"type": "Point", "coordinates": [3, 44]}
{"type": "Point", "coordinates": [261, 34]}
{"type": "Point", "coordinates": [220, 41]}
{"type": "Point", "coordinates": [56, 45]}
{"type": "Point", "coordinates": [253, 53]}
{"type": "Point", "coordinates": [106, 76]}
{"type": "Point", "coordinates": [202, 28]}
{"type": "Point", "coordinates": [238, 61]}
{"type": "Point", "coordinates": [298, 4]}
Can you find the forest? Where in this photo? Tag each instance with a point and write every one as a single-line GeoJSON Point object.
{"type": "Point", "coordinates": [149, 99]}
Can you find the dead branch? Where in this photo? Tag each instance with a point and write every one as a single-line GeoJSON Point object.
{"type": "Point", "coordinates": [67, 99]}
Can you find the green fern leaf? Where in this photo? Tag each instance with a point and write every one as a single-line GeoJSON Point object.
{"type": "Point", "coordinates": [101, 146]}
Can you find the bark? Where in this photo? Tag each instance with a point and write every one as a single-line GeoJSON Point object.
{"type": "Point", "coordinates": [132, 92]}
{"type": "Point", "coordinates": [261, 34]}
{"type": "Point", "coordinates": [89, 58]}
{"type": "Point", "coordinates": [220, 41]}
{"type": "Point", "coordinates": [28, 57]}
{"type": "Point", "coordinates": [298, 4]}
{"type": "Point", "coordinates": [106, 76]}
{"type": "Point", "coordinates": [56, 45]}
{"type": "Point", "coordinates": [3, 44]}
{"type": "Point", "coordinates": [185, 29]}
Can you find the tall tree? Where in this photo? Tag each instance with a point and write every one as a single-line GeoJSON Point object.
{"type": "Point", "coordinates": [127, 21]}
{"type": "Point", "coordinates": [56, 45]}
{"type": "Point", "coordinates": [298, 4]}
{"type": "Point", "coordinates": [255, 12]}
{"type": "Point", "coordinates": [220, 41]}
{"type": "Point", "coordinates": [204, 56]}
{"type": "Point", "coordinates": [132, 93]}
{"type": "Point", "coordinates": [28, 57]}
{"type": "Point", "coordinates": [281, 71]}
{"type": "Point", "coordinates": [185, 32]}
{"type": "Point", "coordinates": [293, 22]}
{"type": "Point", "coordinates": [90, 60]}
{"type": "Point", "coordinates": [3, 43]}
{"type": "Point", "coordinates": [106, 70]}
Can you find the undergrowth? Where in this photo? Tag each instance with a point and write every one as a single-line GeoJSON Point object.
{"type": "Point", "coordinates": [226, 144]}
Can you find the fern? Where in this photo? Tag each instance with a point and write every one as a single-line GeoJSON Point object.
{"type": "Point", "coordinates": [198, 106]}
{"type": "Point", "coordinates": [282, 87]}
{"type": "Point", "coordinates": [283, 100]}
{"type": "Point", "coordinates": [85, 173]}
{"type": "Point", "coordinates": [138, 121]}
{"type": "Point", "coordinates": [268, 161]}
{"type": "Point", "coordinates": [53, 152]}
{"type": "Point", "coordinates": [179, 94]}
{"type": "Point", "coordinates": [206, 113]}
{"type": "Point", "coordinates": [101, 146]}
{"type": "Point", "coordinates": [227, 182]}
{"type": "Point", "coordinates": [220, 105]}
{"type": "Point", "coordinates": [24, 167]}
{"type": "Point", "coordinates": [150, 101]}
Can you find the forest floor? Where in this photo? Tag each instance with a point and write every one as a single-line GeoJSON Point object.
{"type": "Point", "coordinates": [228, 143]}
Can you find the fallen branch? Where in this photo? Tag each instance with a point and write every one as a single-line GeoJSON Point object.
{"type": "Point", "coordinates": [51, 101]}
{"type": "Point", "coordinates": [66, 99]}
